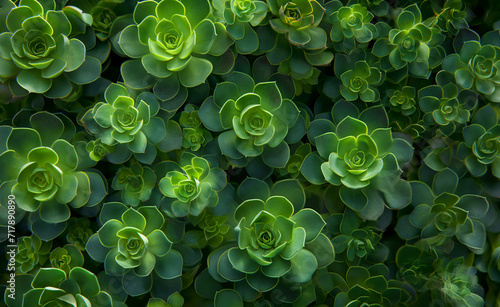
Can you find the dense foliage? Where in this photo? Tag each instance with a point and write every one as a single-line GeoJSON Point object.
{"type": "Point", "coordinates": [250, 153]}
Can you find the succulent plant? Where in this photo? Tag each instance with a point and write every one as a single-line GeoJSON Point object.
{"type": "Point", "coordinates": [167, 41]}
{"type": "Point", "coordinates": [194, 135]}
{"type": "Point", "coordinates": [132, 244]}
{"type": "Point", "coordinates": [351, 23]}
{"type": "Point", "coordinates": [66, 258]}
{"type": "Point", "coordinates": [359, 156]}
{"type": "Point", "coordinates": [98, 150]}
{"type": "Point", "coordinates": [402, 100]}
{"type": "Point", "coordinates": [79, 232]}
{"type": "Point", "coordinates": [254, 117]}
{"type": "Point", "coordinates": [265, 232]}
{"type": "Point", "coordinates": [103, 15]}
{"type": "Point", "coordinates": [438, 214]}
{"type": "Point", "coordinates": [240, 16]}
{"type": "Point", "coordinates": [135, 183]}
{"type": "Point", "coordinates": [353, 239]}
{"type": "Point", "coordinates": [358, 75]}
{"type": "Point", "coordinates": [195, 138]}
{"type": "Point", "coordinates": [31, 253]}
{"type": "Point", "coordinates": [299, 20]}
{"type": "Point", "coordinates": [191, 186]}
{"type": "Point", "coordinates": [482, 143]}
{"type": "Point", "coordinates": [42, 173]}
{"type": "Point", "coordinates": [359, 82]}
{"type": "Point", "coordinates": [274, 245]}
{"type": "Point", "coordinates": [474, 68]}
{"type": "Point", "coordinates": [190, 117]}
{"type": "Point", "coordinates": [295, 41]}
{"type": "Point", "coordinates": [446, 105]}
{"type": "Point", "coordinates": [413, 44]}
{"type": "Point", "coordinates": [123, 119]}
{"type": "Point", "coordinates": [37, 54]}
{"type": "Point", "coordinates": [452, 17]}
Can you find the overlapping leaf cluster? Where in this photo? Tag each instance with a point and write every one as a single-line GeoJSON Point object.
{"type": "Point", "coordinates": [250, 152]}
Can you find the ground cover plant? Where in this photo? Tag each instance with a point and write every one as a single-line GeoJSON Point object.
{"type": "Point", "coordinates": [250, 153]}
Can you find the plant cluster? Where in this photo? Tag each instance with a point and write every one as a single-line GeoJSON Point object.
{"type": "Point", "coordinates": [250, 152]}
